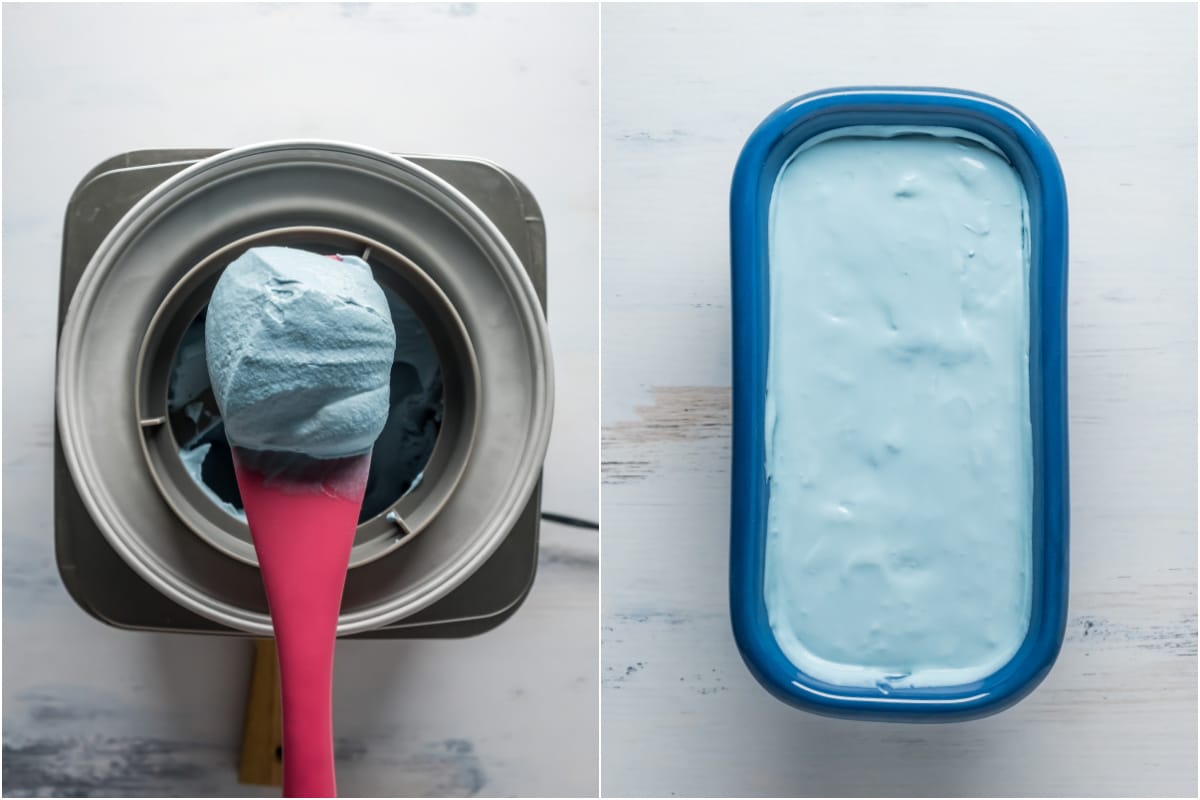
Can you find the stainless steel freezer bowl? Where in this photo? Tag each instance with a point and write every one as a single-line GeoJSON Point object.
{"type": "Point", "coordinates": [325, 185]}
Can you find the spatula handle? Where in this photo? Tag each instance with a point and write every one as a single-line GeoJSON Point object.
{"type": "Point", "coordinates": [303, 534]}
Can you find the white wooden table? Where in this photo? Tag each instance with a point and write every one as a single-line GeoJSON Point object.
{"type": "Point", "coordinates": [1114, 88]}
{"type": "Point", "coordinates": [93, 710]}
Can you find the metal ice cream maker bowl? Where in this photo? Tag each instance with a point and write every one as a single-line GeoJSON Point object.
{"type": "Point", "coordinates": [459, 241]}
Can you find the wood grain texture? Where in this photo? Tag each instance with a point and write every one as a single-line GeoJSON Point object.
{"type": "Point", "coordinates": [261, 762]}
{"type": "Point", "coordinates": [1114, 89]}
{"type": "Point", "coordinates": [90, 710]}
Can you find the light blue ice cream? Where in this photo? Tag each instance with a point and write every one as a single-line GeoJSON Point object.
{"type": "Point", "coordinates": [299, 349]}
{"type": "Point", "coordinates": [193, 462]}
{"type": "Point", "coordinates": [899, 448]}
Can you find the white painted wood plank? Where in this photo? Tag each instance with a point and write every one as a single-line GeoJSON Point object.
{"type": "Point", "coordinates": [89, 709]}
{"type": "Point", "coordinates": [1114, 88]}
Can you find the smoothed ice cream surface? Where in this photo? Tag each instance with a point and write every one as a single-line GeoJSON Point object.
{"type": "Point", "coordinates": [300, 348]}
{"type": "Point", "coordinates": [898, 435]}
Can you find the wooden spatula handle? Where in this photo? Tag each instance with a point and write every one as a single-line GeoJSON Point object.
{"type": "Point", "coordinates": [261, 762]}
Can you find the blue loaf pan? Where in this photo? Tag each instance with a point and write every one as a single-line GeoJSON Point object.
{"type": "Point", "coordinates": [761, 160]}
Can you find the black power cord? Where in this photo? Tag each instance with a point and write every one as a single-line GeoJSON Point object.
{"type": "Point", "coordinates": [574, 522]}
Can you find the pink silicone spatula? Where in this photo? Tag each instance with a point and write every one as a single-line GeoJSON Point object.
{"type": "Point", "coordinates": [302, 521]}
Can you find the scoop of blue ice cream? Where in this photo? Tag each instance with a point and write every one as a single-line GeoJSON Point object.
{"type": "Point", "coordinates": [299, 349]}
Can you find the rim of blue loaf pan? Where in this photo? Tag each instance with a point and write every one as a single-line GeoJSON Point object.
{"type": "Point", "coordinates": [761, 159]}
